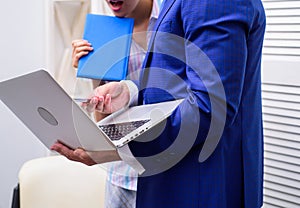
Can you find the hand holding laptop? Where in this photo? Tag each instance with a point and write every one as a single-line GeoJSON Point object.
{"type": "Point", "coordinates": [86, 157]}
{"type": "Point", "coordinates": [78, 155]}
{"type": "Point", "coordinates": [106, 99]}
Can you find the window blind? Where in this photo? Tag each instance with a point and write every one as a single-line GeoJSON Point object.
{"type": "Point", "coordinates": [281, 104]}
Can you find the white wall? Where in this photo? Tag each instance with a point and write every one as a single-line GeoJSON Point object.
{"type": "Point", "coordinates": [22, 49]}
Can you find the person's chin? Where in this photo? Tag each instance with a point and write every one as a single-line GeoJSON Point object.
{"type": "Point", "coordinates": [119, 14]}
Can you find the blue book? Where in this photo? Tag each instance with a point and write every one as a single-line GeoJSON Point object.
{"type": "Point", "coordinates": [111, 39]}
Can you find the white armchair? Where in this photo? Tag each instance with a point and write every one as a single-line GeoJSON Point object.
{"type": "Point", "coordinates": [56, 182]}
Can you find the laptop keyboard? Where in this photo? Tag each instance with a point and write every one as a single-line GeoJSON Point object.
{"type": "Point", "coordinates": [119, 130]}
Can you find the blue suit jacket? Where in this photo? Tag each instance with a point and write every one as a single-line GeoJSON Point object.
{"type": "Point", "coordinates": [209, 53]}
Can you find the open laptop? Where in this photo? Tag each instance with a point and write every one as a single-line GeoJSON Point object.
{"type": "Point", "coordinates": [51, 114]}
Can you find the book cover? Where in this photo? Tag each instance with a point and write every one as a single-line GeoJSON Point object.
{"type": "Point", "coordinates": [111, 39]}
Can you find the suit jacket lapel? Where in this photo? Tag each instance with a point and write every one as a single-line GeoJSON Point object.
{"type": "Point", "coordinates": [164, 10]}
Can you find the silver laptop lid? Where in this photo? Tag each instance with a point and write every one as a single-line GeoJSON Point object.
{"type": "Point", "coordinates": [50, 113]}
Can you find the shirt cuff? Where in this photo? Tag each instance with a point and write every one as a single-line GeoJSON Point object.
{"type": "Point", "coordinates": [126, 155]}
{"type": "Point", "coordinates": [133, 92]}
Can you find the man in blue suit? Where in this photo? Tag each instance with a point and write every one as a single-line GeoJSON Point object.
{"type": "Point", "coordinates": [210, 152]}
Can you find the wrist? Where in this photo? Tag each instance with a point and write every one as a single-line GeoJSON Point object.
{"type": "Point", "coordinates": [125, 93]}
{"type": "Point", "coordinates": [132, 92]}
